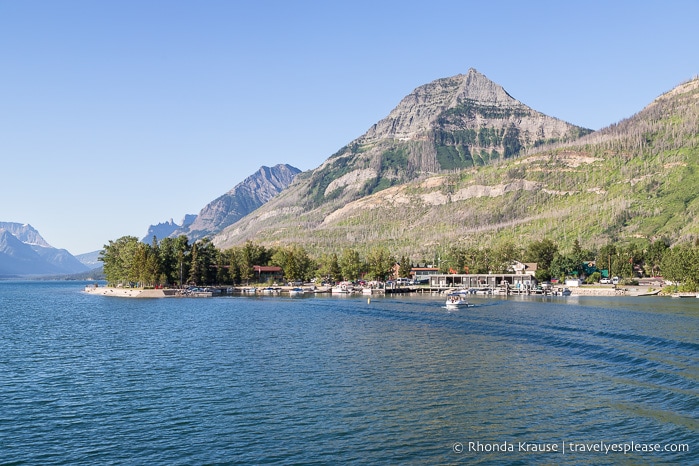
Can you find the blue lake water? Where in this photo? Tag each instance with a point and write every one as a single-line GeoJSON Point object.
{"type": "Point", "coordinates": [323, 380]}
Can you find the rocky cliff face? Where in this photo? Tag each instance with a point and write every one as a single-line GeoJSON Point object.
{"type": "Point", "coordinates": [245, 197]}
{"type": "Point", "coordinates": [466, 101]}
{"type": "Point", "coordinates": [227, 209]}
{"type": "Point", "coordinates": [451, 123]}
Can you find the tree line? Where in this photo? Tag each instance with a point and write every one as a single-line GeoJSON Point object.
{"type": "Point", "coordinates": [679, 264]}
{"type": "Point", "coordinates": [176, 262]}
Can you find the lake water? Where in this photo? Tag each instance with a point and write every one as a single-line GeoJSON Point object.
{"type": "Point", "coordinates": [324, 380]}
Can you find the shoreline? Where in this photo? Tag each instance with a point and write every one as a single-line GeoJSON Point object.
{"type": "Point", "coordinates": [128, 292]}
{"type": "Point", "coordinates": [173, 292]}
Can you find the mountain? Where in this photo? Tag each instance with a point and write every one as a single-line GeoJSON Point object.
{"type": "Point", "coordinates": [24, 252]}
{"type": "Point", "coordinates": [449, 124]}
{"type": "Point", "coordinates": [24, 233]}
{"type": "Point", "coordinates": [227, 209]}
{"type": "Point", "coordinates": [169, 228]}
{"type": "Point", "coordinates": [90, 259]}
{"type": "Point", "coordinates": [632, 181]}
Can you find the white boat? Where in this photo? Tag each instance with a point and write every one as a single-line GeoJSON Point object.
{"type": "Point", "coordinates": [456, 301]}
{"type": "Point", "coordinates": [296, 292]}
{"type": "Point", "coordinates": [342, 288]}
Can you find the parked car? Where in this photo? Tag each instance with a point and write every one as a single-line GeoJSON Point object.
{"type": "Point", "coordinates": [605, 281]}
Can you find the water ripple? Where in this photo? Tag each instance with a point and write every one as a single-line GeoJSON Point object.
{"type": "Point", "coordinates": [318, 381]}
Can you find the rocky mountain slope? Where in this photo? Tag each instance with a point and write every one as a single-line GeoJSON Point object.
{"type": "Point", "coordinates": [24, 252]}
{"type": "Point", "coordinates": [632, 181]}
{"type": "Point", "coordinates": [244, 198]}
{"type": "Point", "coordinates": [450, 124]}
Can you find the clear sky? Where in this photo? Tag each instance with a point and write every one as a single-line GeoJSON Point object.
{"type": "Point", "coordinates": [115, 115]}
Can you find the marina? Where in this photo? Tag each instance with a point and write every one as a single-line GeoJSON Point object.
{"type": "Point", "coordinates": [309, 290]}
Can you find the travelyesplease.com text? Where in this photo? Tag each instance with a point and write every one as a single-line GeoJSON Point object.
{"type": "Point", "coordinates": [569, 447]}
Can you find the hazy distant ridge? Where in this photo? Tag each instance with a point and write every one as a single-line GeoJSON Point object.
{"type": "Point", "coordinates": [24, 252]}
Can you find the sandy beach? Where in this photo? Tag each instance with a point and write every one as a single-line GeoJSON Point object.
{"type": "Point", "coordinates": [127, 292]}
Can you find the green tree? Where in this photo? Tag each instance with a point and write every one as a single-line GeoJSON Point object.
{"type": "Point", "coordinates": [329, 268]}
{"type": "Point", "coordinates": [207, 259]}
{"type": "Point", "coordinates": [607, 259]}
{"type": "Point", "coordinates": [295, 262]}
{"type": "Point", "coordinates": [248, 256]}
{"type": "Point", "coordinates": [680, 265]}
{"type": "Point", "coordinates": [350, 264]}
{"type": "Point", "coordinates": [380, 263]}
{"type": "Point", "coordinates": [195, 269]}
{"type": "Point", "coordinates": [542, 252]}
{"type": "Point", "coordinates": [119, 258]}
{"type": "Point", "coordinates": [154, 269]}
{"type": "Point", "coordinates": [504, 256]}
{"type": "Point", "coordinates": [564, 265]}
{"type": "Point", "coordinates": [222, 267]}
{"type": "Point", "coordinates": [405, 267]}
{"type": "Point", "coordinates": [654, 256]}
{"type": "Point", "coordinates": [593, 278]}
{"type": "Point", "coordinates": [474, 260]}
{"type": "Point", "coordinates": [174, 259]}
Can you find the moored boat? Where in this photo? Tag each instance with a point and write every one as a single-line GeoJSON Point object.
{"type": "Point", "coordinates": [342, 288]}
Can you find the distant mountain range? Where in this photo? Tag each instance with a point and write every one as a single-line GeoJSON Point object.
{"type": "Point", "coordinates": [245, 197]}
{"type": "Point", "coordinates": [24, 252]}
{"type": "Point", "coordinates": [458, 161]}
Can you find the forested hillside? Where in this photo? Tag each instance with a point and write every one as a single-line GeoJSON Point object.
{"type": "Point", "coordinates": [634, 181]}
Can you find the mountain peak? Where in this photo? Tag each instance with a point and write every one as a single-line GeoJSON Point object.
{"type": "Point", "coordinates": [225, 210]}
{"type": "Point", "coordinates": [417, 113]}
{"type": "Point", "coordinates": [25, 233]}
{"type": "Point", "coordinates": [24, 252]}
{"type": "Point", "coordinates": [478, 87]}
{"type": "Point", "coordinates": [451, 123]}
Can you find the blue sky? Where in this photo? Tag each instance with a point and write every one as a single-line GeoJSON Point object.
{"type": "Point", "coordinates": [119, 114]}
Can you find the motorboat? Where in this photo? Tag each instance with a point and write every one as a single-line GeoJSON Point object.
{"type": "Point", "coordinates": [456, 301]}
{"type": "Point", "coordinates": [296, 292]}
{"type": "Point", "coordinates": [342, 288]}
